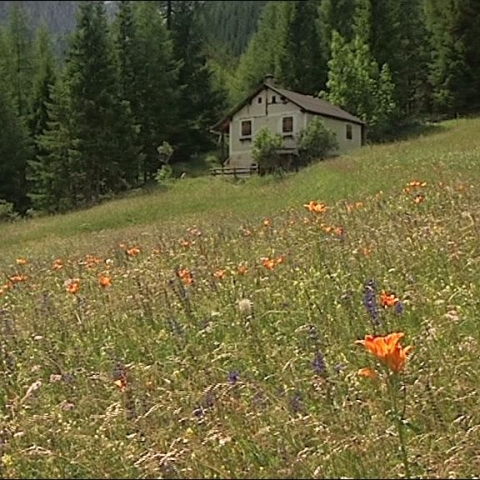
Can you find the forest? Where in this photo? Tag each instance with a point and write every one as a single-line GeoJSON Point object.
{"type": "Point", "coordinates": [90, 91]}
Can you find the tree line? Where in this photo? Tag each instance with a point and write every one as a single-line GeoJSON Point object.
{"type": "Point", "coordinates": [87, 125]}
{"type": "Point", "coordinates": [77, 131]}
{"type": "Point", "coordinates": [390, 62]}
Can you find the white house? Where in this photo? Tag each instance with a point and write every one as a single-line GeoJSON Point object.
{"type": "Point", "coordinates": [287, 113]}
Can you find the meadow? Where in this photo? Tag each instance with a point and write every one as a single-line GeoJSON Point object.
{"type": "Point", "coordinates": [211, 330]}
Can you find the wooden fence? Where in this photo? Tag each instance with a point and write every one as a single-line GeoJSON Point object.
{"type": "Point", "coordinates": [235, 171]}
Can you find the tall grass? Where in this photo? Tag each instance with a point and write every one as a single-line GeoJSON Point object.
{"type": "Point", "coordinates": [205, 359]}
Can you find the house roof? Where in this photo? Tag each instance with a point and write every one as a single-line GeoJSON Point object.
{"type": "Point", "coordinates": [307, 103]}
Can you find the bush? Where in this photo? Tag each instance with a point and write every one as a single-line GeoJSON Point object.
{"type": "Point", "coordinates": [265, 150]}
{"type": "Point", "coordinates": [316, 141]}
{"type": "Point", "coordinates": [6, 211]}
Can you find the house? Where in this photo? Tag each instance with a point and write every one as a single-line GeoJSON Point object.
{"type": "Point", "coordinates": [284, 112]}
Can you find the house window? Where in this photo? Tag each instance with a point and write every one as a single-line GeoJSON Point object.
{"type": "Point", "coordinates": [246, 127]}
{"type": "Point", "coordinates": [259, 99]}
{"type": "Point", "coordinates": [274, 99]}
{"type": "Point", "coordinates": [287, 125]}
{"type": "Point", "coordinates": [349, 131]}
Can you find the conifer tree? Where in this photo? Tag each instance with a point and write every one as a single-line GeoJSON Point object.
{"type": "Point", "coordinates": [301, 64]}
{"type": "Point", "coordinates": [14, 152]}
{"type": "Point", "coordinates": [156, 84]}
{"type": "Point", "coordinates": [200, 104]}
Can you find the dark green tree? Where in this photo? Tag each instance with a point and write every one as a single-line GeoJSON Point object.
{"type": "Point", "coordinates": [199, 104]}
{"type": "Point", "coordinates": [14, 152]}
{"type": "Point", "coordinates": [455, 65]}
{"type": "Point", "coordinates": [156, 72]}
{"type": "Point", "coordinates": [302, 67]}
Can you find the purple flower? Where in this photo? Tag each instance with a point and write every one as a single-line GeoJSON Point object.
{"type": "Point", "coordinates": [233, 377]}
{"type": "Point", "coordinates": [318, 364]}
{"type": "Point", "coordinates": [399, 308]}
{"type": "Point", "coordinates": [370, 301]}
{"type": "Point", "coordinates": [296, 402]}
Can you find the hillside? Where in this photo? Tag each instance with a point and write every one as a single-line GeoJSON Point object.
{"type": "Point", "coordinates": [230, 330]}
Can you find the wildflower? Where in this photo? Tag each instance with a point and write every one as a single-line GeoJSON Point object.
{"type": "Point", "coordinates": [417, 183]}
{"type": "Point", "coordinates": [233, 377]}
{"type": "Point", "coordinates": [387, 349]}
{"type": "Point", "coordinates": [57, 264]}
{"type": "Point", "coordinates": [296, 402]}
{"type": "Point", "coordinates": [370, 302]}
{"type": "Point", "coordinates": [21, 261]}
{"type": "Point", "coordinates": [132, 252]}
{"type": "Point", "coordinates": [242, 269]}
{"type": "Point", "coordinates": [185, 243]}
{"type": "Point", "coordinates": [367, 372]}
{"type": "Point", "coordinates": [17, 278]}
{"type": "Point", "coordinates": [316, 207]}
{"type": "Point", "coordinates": [121, 383]}
{"type": "Point", "coordinates": [266, 222]}
{"type": "Point", "coordinates": [220, 274]}
{"type": "Point", "coordinates": [245, 306]}
{"type": "Point", "coordinates": [398, 308]}
{"type": "Point", "coordinates": [186, 276]}
{"type": "Point", "coordinates": [419, 199]}
{"type": "Point", "coordinates": [105, 281]}
{"type": "Point", "coordinates": [318, 364]}
{"type": "Point", "coordinates": [388, 299]}
{"type": "Point", "coordinates": [72, 285]}
{"type": "Point", "coordinates": [271, 263]}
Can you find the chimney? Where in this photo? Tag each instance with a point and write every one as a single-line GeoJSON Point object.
{"type": "Point", "coordinates": [269, 80]}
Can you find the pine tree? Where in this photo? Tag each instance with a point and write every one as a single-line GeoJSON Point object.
{"type": "Point", "coordinates": [14, 152]}
{"type": "Point", "coordinates": [57, 181]}
{"type": "Point", "coordinates": [263, 51]}
{"type": "Point", "coordinates": [335, 15]}
{"type": "Point", "coordinates": [455, 67]}
{"type": "Point", "coordinates": [200, 104]}
{"type": "Point", "coordinates": [301, 63]}
{"type": "Point", "coordinates": [100, 127]}
{"type": "Point", "coordinates": [18, 60]}
{"type": "Point", "coordinates": [156, 83]}
{"type": "Point", "coordinates": [44, 77]}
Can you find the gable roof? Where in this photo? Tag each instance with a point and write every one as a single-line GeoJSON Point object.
{"type": "Point", "coordinates": [306, 103]}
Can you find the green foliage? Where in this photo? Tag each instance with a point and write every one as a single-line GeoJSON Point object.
{"type": "Point", "coordinates": [6, 211]}
{"type": "Point", "coordinates": [316, 141]}
{"type": "Point", "coordinates": [356, 84]}
{"type": "Point", "coordinates": [15, 150]}
{"type": "Point", "coordinates": [301, 65]}
{"type": "Point", "coordinates": [265, 150]}
{"type": "Point", "coordinates": [201, 102]}
{"type": "Point", "coordinates": [455, 41]}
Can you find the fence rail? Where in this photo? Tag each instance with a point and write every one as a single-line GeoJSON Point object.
{"type": "Point", "coordinates": [235, 171]}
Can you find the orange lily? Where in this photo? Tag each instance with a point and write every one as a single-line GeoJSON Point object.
{"type": "Point", "coordinates": [387, 349]}
{"type": "Point", "coordinates": [21, 261]}
{"type": "Point", "coordinates": [57, 264]}
{"type": "Point", "coordinates": [419, 199]}
{"type": "Point", "coordinates": [388, 299]}
{"type": "Point", "coordinates": [72, 286]}
{"type": "Point", "coordinates": [316, 207]}
{"type": "Point", "coordinates": [186, 276]}
{"type": "Point", "coordinates": [105, 281]}
{"type": "Point", "coordinates": [132, 252]}
{"type": "Point", "coordinates": [242, 269]}
{"type": "Point", "coordinates": [367, 372]}
{"type": "Point", "coordinates": [17, 278]}
{"type": "Point", "coordinates": [220, 274]}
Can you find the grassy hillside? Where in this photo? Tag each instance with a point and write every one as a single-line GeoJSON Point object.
{"type": "Point", "coordinates": [209, 330]}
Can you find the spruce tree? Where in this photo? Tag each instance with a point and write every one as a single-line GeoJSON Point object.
{"type": "Point", "coordinates": [200, 104]}
{"type": "Point", "coordinates": [301, 64]}
{"type": "Point", "coordinates": [102, 124]}
{"type": "Point", "coordinates": [14, 152]}
{"type": "Point", "coordinates": [156, 75]}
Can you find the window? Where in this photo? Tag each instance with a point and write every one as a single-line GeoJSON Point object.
{"type": "Point", "coordinates": [274, 99]}
{"type": "Point", "coordinates": [287, 125]}
{"type": "Point", "coordinates": [259, 99]}
{"type": "Point", "coordinates": [349, 132]}
{"type": "Point", "coordinates": [246, 126]}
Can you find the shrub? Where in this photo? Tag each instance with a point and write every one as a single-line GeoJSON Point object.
{"type": "Point", "coordinates": [316, 141]}
{"type": "Point", "coordinates": [265, 150]}
{"type": "Point", "coordinates": [6, 211]}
